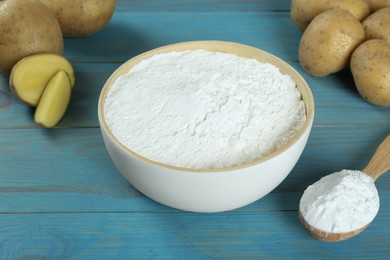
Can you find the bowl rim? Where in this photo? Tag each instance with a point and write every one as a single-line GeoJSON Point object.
{"type": "Point", "coordinates": [218, 46]}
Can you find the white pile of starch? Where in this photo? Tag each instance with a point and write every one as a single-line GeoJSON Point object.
{"type": "Point", "coordinates": [340, 202]}
{"type": "Point", "coordinates": [201, 109]}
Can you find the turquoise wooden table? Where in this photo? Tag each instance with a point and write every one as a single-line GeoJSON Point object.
{"type": "Point", "coordinates": [62, 198]}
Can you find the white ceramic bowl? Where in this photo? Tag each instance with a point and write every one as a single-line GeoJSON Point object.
{"type": "Point", "coordinates": [211, 190]}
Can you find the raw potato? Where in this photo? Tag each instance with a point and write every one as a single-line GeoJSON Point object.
{"type": "Point", "coordinates": [370, 66]}
{"type": "Point", "coordinates": [328, 42]}
{"type": "Point", "coordinates": [304, 11]}
{"type": "Point", "coordinates": [377, 25]}
{"type": "Point", "coordinates": [81, 17]}
{"type": "Point", "coordinates": [54, 101]}
{"type": "Point", "coordinates": [26, 27]}
{"type": "Point", "coordinates": [30, 75]}
{"type": "Point", "coordinates": [377, 4]}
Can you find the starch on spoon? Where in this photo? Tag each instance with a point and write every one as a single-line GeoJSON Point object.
{"type": "Point", "coordinates": [340, 202]}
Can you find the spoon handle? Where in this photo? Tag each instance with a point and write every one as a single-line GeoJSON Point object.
{"type": "Point", "coordinates": [380, 161]}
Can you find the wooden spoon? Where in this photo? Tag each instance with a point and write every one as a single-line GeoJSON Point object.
{"type": "Point", "coordinates": [378, 165]}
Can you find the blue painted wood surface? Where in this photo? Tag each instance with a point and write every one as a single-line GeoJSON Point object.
{"type": "Point", "coordinates": [62, 198]}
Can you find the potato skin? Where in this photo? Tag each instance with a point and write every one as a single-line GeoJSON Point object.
{"type": "Point", "coordinates": [370, 66]}
{"type": "Point", "coordinates": [377, 25]}
{"type": "Point", "coordinates": [26, 27]}
{"type": "Point", "coordinates": [328, 42]}
{"type": "Point", "coordinates": [80, 18]}
{"type": "Point", "coordinates": [304, 11]}
{"type": "Point", "coordinates": [375, 5]}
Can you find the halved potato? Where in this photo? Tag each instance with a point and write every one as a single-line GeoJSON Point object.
{"type": "Point", "coordinates": [54, 101]}
{"type": "Point", "coordinates": [30, 76]}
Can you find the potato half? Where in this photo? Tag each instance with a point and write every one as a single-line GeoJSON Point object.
{"type": "Point", "coordinates": [30, 75]}
{"type": "Point", "coordinates": [328, 42]}
{"type": "Point", "coordinates": [54, 101]}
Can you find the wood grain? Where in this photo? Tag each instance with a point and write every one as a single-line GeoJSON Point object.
{"type": "Point", "coordinates": [234, 235]}
{"type": "Point", "coordinates": [70, 171]}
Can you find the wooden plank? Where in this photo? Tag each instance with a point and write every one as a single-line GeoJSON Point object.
{"type": "Point", "coordinates": [201, 5]}
{"type": "Point", "coordinates": [179, 235]}
{"type": "Point", "coordinates": [69, 170]}
{"type": "Point", "coordinates": [129, 34]}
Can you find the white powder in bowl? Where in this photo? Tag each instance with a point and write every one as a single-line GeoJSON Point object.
{"type": "Point", "coordinates": [340, 202]}
{"type": "Point", "coordinates": [201, 109]}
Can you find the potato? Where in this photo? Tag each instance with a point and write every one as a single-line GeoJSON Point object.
{"type": "Point", "coordinates": [55, 100]}
{"type": "Point", "coordinates": [375, 5]}
{"type": "Point", "coordinates": [377, 25]}
{"type": "Point", "coordinates": [328, 42]}
{"type": "Point", "coordinates": [304, 11]}
{"type": "Point", "coordinates": [81, 17]}
{"type": "Point", "coordinates": [370, 67]}
{"type": "Point", "coordinates": [26, 27]}
{"type": "Point", "coordinates": [30, 75]}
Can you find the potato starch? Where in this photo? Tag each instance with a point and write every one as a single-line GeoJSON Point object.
{"type": "Point", "coordinates": [201, 109]}
{"type": "Point", "coordinates": [340, 202]}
